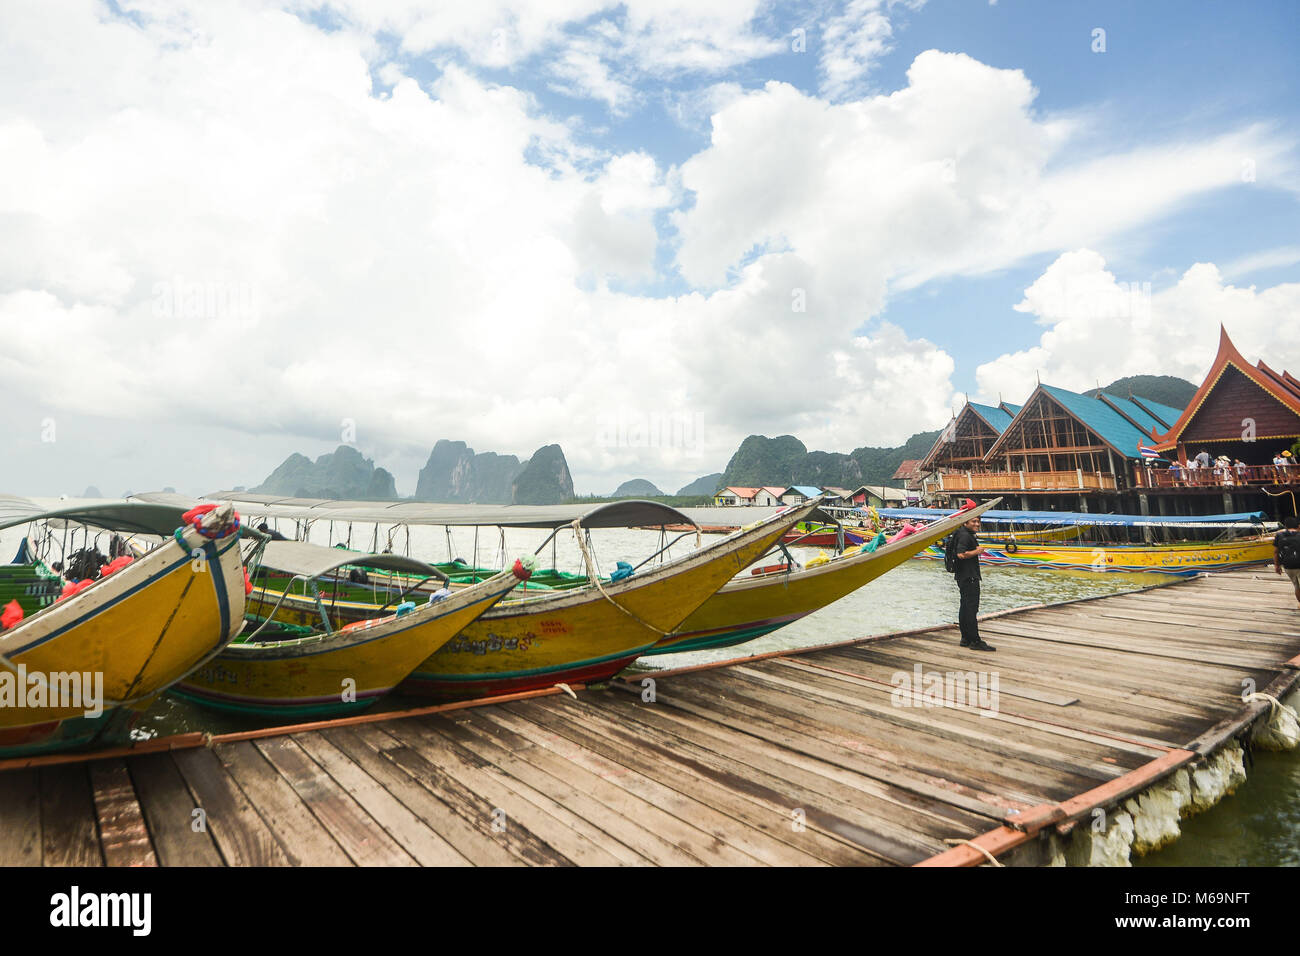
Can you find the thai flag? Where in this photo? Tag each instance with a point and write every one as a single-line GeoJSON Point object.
{"type": "Point", "coordinates": [1147, 453]}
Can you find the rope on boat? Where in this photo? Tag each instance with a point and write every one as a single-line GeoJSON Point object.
{"type": "Point", "coordinates": [971, 843]}
{"type": "Point", "coordinates": [594, 577]}
{"type": "Point", "coordinates": [568, 690]}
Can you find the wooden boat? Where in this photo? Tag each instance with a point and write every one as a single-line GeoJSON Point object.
{"type": "Point", "coordinates": [825, 536]}
{"type": "Point", "coordinates": [586, 630]}
{"type": "Point", "coordinates": [78, 671]}
{"type": "Point", "coordinates": [1185, 559]}
{"type": "Point", "coordinates": [592, 633]}
{"type": "Point", "coordinates": [1010, 543]}
{"type": "Point", "coordinates": [754, 605]}
{"type": "Point", "coordinates": [278, 670]}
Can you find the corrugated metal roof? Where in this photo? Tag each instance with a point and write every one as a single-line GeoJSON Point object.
{"type": "Point", "coordinates": [1109, 424]}
{"type": "Point", "coordinates": [998, 419]}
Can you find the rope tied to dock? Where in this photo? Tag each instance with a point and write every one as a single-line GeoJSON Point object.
{"type": "Point", "coordinates": [594, 577]}
{"type": "Point", "coordinates": [1260, 695]}
{"type": "Point", "coordinates": [971, 843]}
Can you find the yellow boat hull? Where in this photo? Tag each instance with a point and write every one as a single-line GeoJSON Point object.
{"type": "Point", "coordinates": [1183, 560]}
{"type": "Point", "coordinates": [340, 672]}
{"type": "Point", "coordinates": [125, 639]}
{"type": "Point", "coordinates": [754, 605]}
{"type": "Point", "coordinates": [583, 636]}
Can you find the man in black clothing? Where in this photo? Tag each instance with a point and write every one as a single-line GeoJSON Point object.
{"type": "Point", "coordinates": [969, 550]}
{"type": "Point", "coordinates": [1286, 552]}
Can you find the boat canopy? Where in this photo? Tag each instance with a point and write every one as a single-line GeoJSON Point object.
{"type": "Point", "coordinates": [626, 513]}
{"type": "Point", "coordinates": [127, 517]}
{"type": "Point", "coordinates": [1058, 518]}
{"type": "Point", "coordinates": [313, 560]}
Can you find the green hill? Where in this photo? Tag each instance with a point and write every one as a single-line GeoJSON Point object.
{"type": "Point", "coordinates": [1166, 389]}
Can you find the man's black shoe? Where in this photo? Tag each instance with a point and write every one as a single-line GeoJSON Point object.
{"type": "Point", "coordinates": [965, 644]}
{"type": "Point", "coordinates": [981, 646]}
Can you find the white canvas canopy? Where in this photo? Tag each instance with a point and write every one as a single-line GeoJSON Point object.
{"type": "Point", "coordinates": [626, 513]}
{"type": "Point", "coordinates": [313, 560]}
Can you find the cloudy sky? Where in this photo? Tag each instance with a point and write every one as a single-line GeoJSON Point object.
{"type": "Point", "coordinates": [645, 230]}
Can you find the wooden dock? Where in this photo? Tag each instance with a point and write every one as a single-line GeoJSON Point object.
{"type": "Point", "coordinates": [800, 758]}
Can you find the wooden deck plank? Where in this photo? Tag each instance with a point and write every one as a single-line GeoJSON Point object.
{"type": "Point", "coordinates": [736, 790]}
{"type": "Point", "coordinates": [69, 828]}
{"type": "Point", "coordinates": [168, 807]}
{"type": "Point", "coordinates": [414, 836]}
{"type": "Point", "coordinates": [302, 837]}
{"type": "Point", "coordinates": [761, 834]}
{"type": "Point", "coordinates": [492, 821]}
{"type": "Point", "coordinates": [625, 792]}
{"type": "Point", "coordinates": [453, 748]}
{"type": "Point", "coordinates": [838, 749]}
{"type": "Point", "coordinates": [1125, 694]}
{"type": "Point", "coordinates": [368, 750]}
{"type": "Point", "coordinates": [1081, 742]}
{"type": "Point", "coordinates": [123, 835]}
{"type": "Point", "coordinates": [20, 818]}
{"type": "Point", "coordinates": [914, 748]}
{"type": "Point", "coordinates": [573, 787]}
{"type": "Point", "coordinates": [362, 840]}
{"type": "Point", "coordinates": [781, 769]}
{"type": "Point", "coordinates": [237, 829]}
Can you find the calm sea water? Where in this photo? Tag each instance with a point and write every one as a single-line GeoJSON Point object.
{"type": "Point", "coordinates": [1260, 825]}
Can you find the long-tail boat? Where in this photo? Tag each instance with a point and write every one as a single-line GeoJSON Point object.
{"type": "Point", "coordinates": [583, 629]}
{"type": "Point", "coordinates": [590, 633]}
{"type": "Point", "coordinates": [771, 597]}
{"type": "Point", "coordinates": [278, 670]}
{"type": "Point", "coordinates": [1105, 543]}
{"type": "Point", "coordinates": [78, 670]}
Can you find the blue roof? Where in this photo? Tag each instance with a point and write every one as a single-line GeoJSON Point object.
{"type": "Point", "coordinates": [1080, 517]}
{"type": "Point", "coordinates": [1167, 412]}
{"type": "Point", "coordinates": [806, 490]}
{"type": "Point", "coordinates": [996, 417]}
{"type": "Point", "coordinates": [1105, 421]}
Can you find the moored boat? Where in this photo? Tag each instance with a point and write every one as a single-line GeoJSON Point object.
{"type": "Point", "coordinates": [1104, 543]}
{"type": "Point", "coordinates": [590, 633]}
{"type": "Point", "coordinates": [77, 671]}
{"type": "Point", "coordinates": [277, 670]}
{"type": "Point", "coordinates": [751, 606]}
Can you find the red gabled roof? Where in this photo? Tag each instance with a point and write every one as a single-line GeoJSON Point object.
{"type": "Point", "coordinates": [907, 469]}
{"type": "Point", "coordinates": [1282, 387]}
{"type": "Point", "coordinates": [740, 491]}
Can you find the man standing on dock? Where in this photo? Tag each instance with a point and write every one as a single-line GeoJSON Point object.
{"type": "Point", "coordinates": [1286, 552]}
{"type": "Point", "coordinates": [969, 550]}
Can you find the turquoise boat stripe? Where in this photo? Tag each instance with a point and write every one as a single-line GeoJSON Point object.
{"type": "Point", "coordinates": [117, 600]}
{"type": "Point", "coordinates": [271, 707]}
{"type": "Point", "coordinates": [532, 672]}
{"type": "Point", "coordinates": [727, 639]}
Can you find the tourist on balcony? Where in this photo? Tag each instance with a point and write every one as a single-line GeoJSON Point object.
{"type": "Point", "coordinates": [1240, 467]}
{"type": "Point", "coordinates": [969, 550]}
{"type": "Point", "coordinates": [1203, 459]}
{"type": "Point", "coordinates": [1279, 466]}
{"type": "Point", "coordinates": [1223, 469]}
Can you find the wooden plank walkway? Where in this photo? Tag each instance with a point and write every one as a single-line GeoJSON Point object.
{"type": "Point", "coordinates": [801, 758]}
